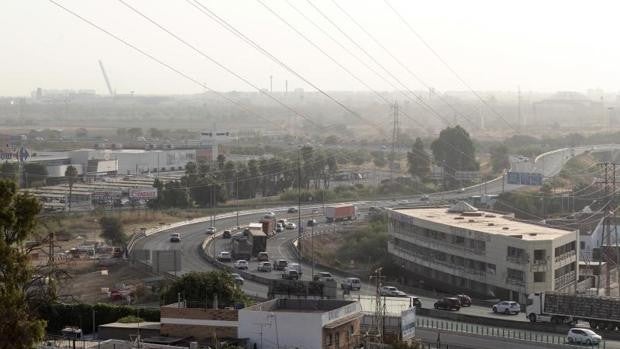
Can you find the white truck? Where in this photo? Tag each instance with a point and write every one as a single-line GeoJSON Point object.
{"type": "Point", "coordinates": [599, 312]}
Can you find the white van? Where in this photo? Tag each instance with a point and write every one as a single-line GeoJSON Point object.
{"type": "Point", "coordinates": [353, 284]}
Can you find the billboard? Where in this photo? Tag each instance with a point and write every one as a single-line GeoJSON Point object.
{"type": "Point", "coordinates": [407, 324]}
{"type": "Point", "coordinates": [524, 178]}
{"type": "Point", "coordinates": [106, 195]}
{"type": "Point", "coordinates": [143, 193]}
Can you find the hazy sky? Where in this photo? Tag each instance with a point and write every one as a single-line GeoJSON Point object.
{"type": "Point", "coordinates": [494, 45]}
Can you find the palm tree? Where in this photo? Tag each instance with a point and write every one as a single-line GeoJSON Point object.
{"type": "Point", "coordinates": [71, 175]}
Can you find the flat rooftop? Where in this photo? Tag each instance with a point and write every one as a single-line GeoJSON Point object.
{"type": "Point", "coordinates": [485, 222]}
{"type": "Point", "coordinates": [301, 305]}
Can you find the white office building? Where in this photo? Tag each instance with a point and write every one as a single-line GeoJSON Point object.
{"type": "Point", "coordinates": [462, 249]}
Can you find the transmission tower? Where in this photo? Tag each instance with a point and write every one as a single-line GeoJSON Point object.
{"type": "Point", "coordinates": [609, 186]}
{"type": "Point", "coordinates": [376, 333]}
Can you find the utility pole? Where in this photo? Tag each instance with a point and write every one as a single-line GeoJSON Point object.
{"type": "Point", "coordinates": [609, 183]}
{"type": "Point", "coordinates": [395, 130]}
{"type": "Point", "coordinates": [379, 310]}
{"type": "Point", "coordinates": [299, 227]}
{"type": "Point", "coordinates": [237, 196]}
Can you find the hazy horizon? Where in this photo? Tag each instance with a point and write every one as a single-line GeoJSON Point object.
{"type": "Point", "coordinates": [493, 46]}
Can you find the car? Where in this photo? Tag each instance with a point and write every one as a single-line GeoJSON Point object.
{"type": "Point", "coordinates": [237, 279]}
{"type": "Point", "coordinates": [280, 264]}
{"type": "Point", "coordinates": [322, 276]}
{"type": "Point", "coordinates": [175, 237]}
{"type": "Point", "coordinates": [265, 267]}
{"type": "Point", "coordinates": [464, 299]}
{"type": "Point", "coordinates": [352, 284]}
{"type": "Point", "coordinates": [391, 291]}
{"type": "Point", "coordinates": [416, 302]}
{"type": "Point", "coordinates": [226, 234]}
{"type": "Point", "coordinates": [224, 256]}
{"type": "Point", "coordinates": [263, 257]}
{"type": "Point", "coordinates": [290, 274]}
{"type": "Point", "coordinates": [583, 336]}
{"type": "Point", "coordinates": [312, 223]}
{"type": "Point", "coordinates": [241, 264]}
{"type": "Point", "coordinates": [448, 303]}
{"type": "Point", "coordinates": [507, 307]}
{"type": "Point", "coordinates": [270, 215]}
{"type": "Point", "coordinates": [296, 267]}
{"type": "Point", "coordinates": [292, 210]}
{"type": "Point", "coordinates": [424, 198]}
{"type": "Point", "coordinates": [291, 225]}
{"type": "Point", "coordinates": [282, 221]}
{"type": "Point", "coordinates": [211, 230]}
{"type": "Point", "coordinates": [279, 228]}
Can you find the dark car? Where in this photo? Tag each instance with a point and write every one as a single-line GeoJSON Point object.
{"type": "Point", "coordinates": [292, 210]}
{"type": "Point", "coordinates": [464, 299]}
{"type": "Point", "coordinates": [448, 303]}
{"type": "Point", "coordinates": [226, 234]}
{"type": "Point", "coordinates": [312, 223]}
{"type": "Point", "coordinates": [416, 302]}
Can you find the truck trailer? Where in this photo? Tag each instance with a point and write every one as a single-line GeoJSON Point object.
{"type": "Point", "coordinates": [559, 308]}
{"type": "Point", "coordinates": [241, 248]}
{"type": "Point", "coordinates": [335, 213]}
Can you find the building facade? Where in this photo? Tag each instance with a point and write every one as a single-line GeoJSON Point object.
{"type": "Point", "coordinates": [301, 323]}
{"type": "Point", "coordinates": [482, 253]}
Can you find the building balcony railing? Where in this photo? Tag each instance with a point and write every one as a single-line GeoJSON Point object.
{"type": "Point", "coordinates": [565, 280]}
{"type": "Point", "coordinates": [515, 282]}
{"type": "Point", "coordinates": [440, 244]}
{"type": "Point", "coordinates": [444, 266]}
{"type": "Point", "coordinates": [516, 259]}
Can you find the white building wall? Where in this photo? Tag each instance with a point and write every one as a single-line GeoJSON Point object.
{"type": "Point", "coordinates": [295, 329]}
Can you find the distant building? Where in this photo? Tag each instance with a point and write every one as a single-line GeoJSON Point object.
{"type": "Point", "coordinates": [484, 253]}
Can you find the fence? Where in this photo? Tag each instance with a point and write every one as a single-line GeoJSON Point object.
{"type": "Point", "coordinates": [490, 331]}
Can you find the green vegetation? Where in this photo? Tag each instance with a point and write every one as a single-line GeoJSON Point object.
{"type": "Point", "coordinates": [367, 246]}
{"type": "Point", "coordinates": [112, 230]}
{"type": "Point", "coordinates": [454, 150]}
{"type": "Point", "coordinates": [130, 319]}
{"type": "Point", "coordinates": [81, 315]}
{"type": "Point", "coordinates": [19, 325]}
{"type": "Point", "coordinates": [200, 287]}
{"type": "Point", "coordinates": [418, 160]}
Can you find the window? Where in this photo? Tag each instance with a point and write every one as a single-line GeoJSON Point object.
{"type": "Point", "coordinates": [515, 252]}
{"type": "Point", "coordinates": [582, 245]}
{"type": "Point", "coordinates": [540, 255]}
{"type": "Point", "coordinates": [565, 248]}
{"type": "Point", "coordinates": [491, 268]}
{"type": "Point", "coordinates": [539, 276]}
{"type": "Point", "coordinates": [337, 340]}
{"type": "Point", "coordinates": [515, 274]}
{"type": "Point", "coordinates": [328, 339]}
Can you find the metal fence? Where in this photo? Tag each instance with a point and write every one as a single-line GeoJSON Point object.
{"type": "Point", "coordinates": [490, 331]}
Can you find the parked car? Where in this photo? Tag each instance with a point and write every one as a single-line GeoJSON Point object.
{"type": "Point", "coordinates": [262, 257]}
{"type": "Point", "coordinates": [464, 299]}
{"type": "Point", "coordinates": [291, 225]}
{"type": "Point", "coordinates": [175, 237]}
{"type": "Point", "coordinates": [237, 279]}
{"type": "Point", "coordinates": [241, 264]}
{"type": "Point", "coordinates": [353, 284]}
{"type": "Point", "coordinates": [322, 276]}
{"type": "Point", "coordinates": [211, 230]}
{"type": "Point", "coordinates": [583, 336]}
{"type": "Point", "coordinates": [391, 291]}
{"type": "Point", "coordinates": [224, 256]}
{"type": "Point", "coordinates": [227, 234]}
{"type": "Point", "coordinates": [311, 222]}
{"type": "Point", "coordinates": [280, 264]}
{"type": "Point", "coordinates": [290, 274]}
{"type": "Point", "coordinates": [507, 307]}
{"type": "Point", "coordinates": [448, 303]}
{"type": "Point", "coordinates": [270, 215]}
{"type": "Point", "coordinates": [292, 210]}
{"type": "Point", "coordinates": [265, 267]}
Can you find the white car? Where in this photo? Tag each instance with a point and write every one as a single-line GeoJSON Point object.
{"type": "Point", "coordinates": [291, 225]}
{"type": "Point", "coordinates": [211, 230]}
{"type": "Point", "coordinates": [392, 291]}
{"type": "Point", "coordinates": [224, 256]}
{"type": "Point", "coordinates": [237, 278]}
{"type": "Point", "coordinates": [507, 307]}
{"type": "Point", "coordinates": [265, 267]}
{"type": "Point", "coordinates": [279, 228]}
{"type": "Point", "coordinates": [241, 264]}
{"type": "Point", "coordinates": [270, 215]}
{"type": "Point", "coordinates": [583, 336]}
{"type": "Point", "coordinates": [322, 276]}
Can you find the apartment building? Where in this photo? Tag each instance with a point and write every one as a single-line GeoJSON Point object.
{"type": "Point", "coordinates": [483, 253]}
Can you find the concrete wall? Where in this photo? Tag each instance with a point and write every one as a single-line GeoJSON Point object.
{"type": "Point", "coordinates": [295, 329]}
{"type": "Point", "coordinates": [198, 323]}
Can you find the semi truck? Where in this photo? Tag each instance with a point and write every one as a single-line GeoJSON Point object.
{"type": "Point", "coordinates": [257, 238]}
{"type": "Point", "coordinates": [335, 213]}
{"type": "Point", "coordinates": [559, 308]}
{"type": "Point", "coordinates": [241, 248]}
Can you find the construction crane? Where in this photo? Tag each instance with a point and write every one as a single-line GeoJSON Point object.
{"type": "Point", "coordinates": [107, 81]}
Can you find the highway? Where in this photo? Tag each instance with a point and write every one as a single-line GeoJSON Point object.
{"type": "Point", "coordinates": [192, 235]}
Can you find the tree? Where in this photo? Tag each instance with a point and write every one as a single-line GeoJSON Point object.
{"type": "Point", "coordinates": [112, 230]}
{"type": "Point", "coordinates": [499, 158]}
{"type": "Point", "coordinates": [418, 160]}
{"type": "Point", "coordinates": [19, 326]}
{"type": "Point", "coordinates": [9, 170]}
{"type": "Point", "coordinates": [71, 175]}
{"type": "Point", "coordinates": [378, 158]}
{"type": "Point", "coordinates": [454, 150]}
{"type": "Point", "coordinates": [198, 287]}
{"type": "Point", "coordinates": [134, 132]}
{"type": "Point", "coordinates": [156, 133]}
{"type": "Point", "coordinates": [221, 159]}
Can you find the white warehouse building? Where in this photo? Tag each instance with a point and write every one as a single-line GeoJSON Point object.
{"type": "Point", "coordinates": [137, 161]}
{"type": "Point", "coordinates": [483, 253]}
